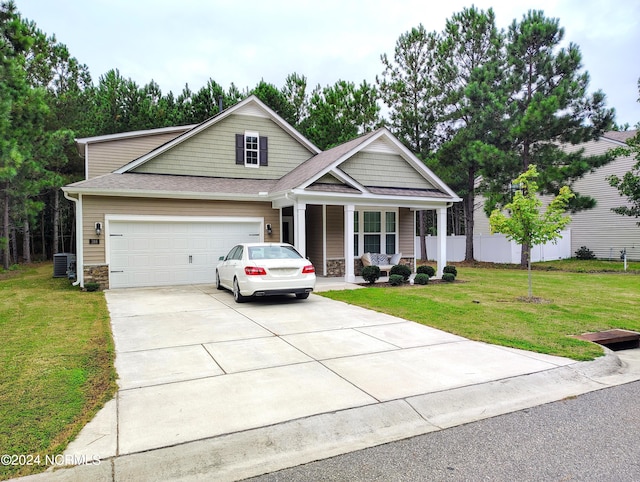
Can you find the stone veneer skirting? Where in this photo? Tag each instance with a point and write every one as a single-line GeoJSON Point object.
{"type": "Point", "coordinates": [97, 274]}
{"type": "Point", "coordinates": [335, 267]}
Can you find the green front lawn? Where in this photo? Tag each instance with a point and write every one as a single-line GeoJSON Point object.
{"type": "Point", "coordinates": [485, 305]}
{"type": "Point", "coordinates": [56, 355]}
{"type": "Point", "coordinates": [591, 266]}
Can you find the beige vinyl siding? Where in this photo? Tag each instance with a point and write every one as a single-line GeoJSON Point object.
{"type": "Point", "coordinates": [600, 229]}
{"type": "Point", "coordinates": [212, 152]}
{"type": "Point", "coordinates": [335, 232]}
{"type": "Point", "coordinates": [407, 232]}
{"type": "Point", "coordinates": [106, 157]}
{"type": "Point", "coordinates": [480, 219]}
{"type": "Point", "coordinates": [95, 208]}
{"type": "Point", "coordinates": [383, 170]}
{"type": "Point", "coordinates": [313, 234]}
{"type": "Point", "coordinates": [328, 179]}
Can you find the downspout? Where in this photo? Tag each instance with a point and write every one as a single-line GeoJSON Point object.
{"type": "Point", "coordinates": [79, 249]}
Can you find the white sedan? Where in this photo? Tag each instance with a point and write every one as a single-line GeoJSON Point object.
{"type": "Point", "coordinates": [263, 269]}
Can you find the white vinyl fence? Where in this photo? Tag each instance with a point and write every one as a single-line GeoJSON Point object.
{"type": "Point", "coordinates": [496, 248]}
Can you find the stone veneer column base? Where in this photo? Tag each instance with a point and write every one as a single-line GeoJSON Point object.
{"type": "Point", "coordinates": [97, 274]}
{"type": "Point", "coordinates": [335, 268]}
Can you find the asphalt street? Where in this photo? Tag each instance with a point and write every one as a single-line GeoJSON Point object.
{"type": "Point", "coordinates": [592, 437]}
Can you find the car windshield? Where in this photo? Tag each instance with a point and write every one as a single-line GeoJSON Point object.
{"type": "Point", "coordinates": [273, 252]}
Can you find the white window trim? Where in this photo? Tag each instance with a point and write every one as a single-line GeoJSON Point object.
{"type": "Point", "coordinates": [257, 150]}
{"type": "Point", "coordinates": [383, 238]}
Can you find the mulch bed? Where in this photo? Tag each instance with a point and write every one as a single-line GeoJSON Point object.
{"type": "Point", "coordinates": [386, 284]}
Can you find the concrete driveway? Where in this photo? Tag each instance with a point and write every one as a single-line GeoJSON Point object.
{"type": "Point", "coordinates": [209, 387]}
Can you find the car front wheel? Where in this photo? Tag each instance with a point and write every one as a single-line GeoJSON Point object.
{"type": "Point", "coordinates": [236, 292]}
{"type": "Point", "coordinates": [218, 285]}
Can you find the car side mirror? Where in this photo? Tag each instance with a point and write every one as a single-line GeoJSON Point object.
{"type": "Point", "coordinates": [221, 258]}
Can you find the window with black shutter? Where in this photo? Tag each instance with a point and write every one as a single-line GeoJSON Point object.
{"type": "Point", "coordinates": [252, 149]}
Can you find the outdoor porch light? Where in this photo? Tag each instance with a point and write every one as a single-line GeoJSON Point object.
{"type": "Point", "coordinates": [98, 229]}
{"type": "Point", "coordinates": [269, 230]}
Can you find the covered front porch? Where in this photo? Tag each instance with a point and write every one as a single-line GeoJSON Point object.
{"type": "Point", "coordinates": [334, 236]}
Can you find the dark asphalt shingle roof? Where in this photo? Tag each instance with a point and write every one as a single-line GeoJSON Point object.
{"type": "Point", "coordinates": [620, 136]}
{"type": "Point", "coordinates": [168, 183]}
{"type": "Point", "coordinates": [317, 163]}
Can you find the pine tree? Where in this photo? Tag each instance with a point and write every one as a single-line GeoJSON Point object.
{"type": "Point", "coordinates": [408, 87]}
{"type": "Point", "coordinates": [549, 106]}
{"type": "Point", "coordinates": [471, 66]}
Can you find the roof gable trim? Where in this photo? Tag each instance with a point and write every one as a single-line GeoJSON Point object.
{"type": "Point", "coordinates": [373, 143]}
{"type": "Point", "coordinates": [248, 106]}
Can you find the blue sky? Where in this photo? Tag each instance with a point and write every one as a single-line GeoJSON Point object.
{"type": "Point", "coordinates": [189, 41]}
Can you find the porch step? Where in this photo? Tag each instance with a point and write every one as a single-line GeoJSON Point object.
{"type": "Point", "coordinates": [614, 339]}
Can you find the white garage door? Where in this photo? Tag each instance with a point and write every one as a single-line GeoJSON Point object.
{"type": "Point", "coordinates": [146, 253]}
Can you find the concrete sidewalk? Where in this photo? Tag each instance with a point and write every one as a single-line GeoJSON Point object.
{"type": "Point", "coordinates": [218, 390]}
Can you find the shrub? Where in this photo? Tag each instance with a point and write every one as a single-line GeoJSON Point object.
{"type": "Point", "coordinates": [585, 253]}
{"type": "Point", "coordinates": [448, 277]}
{"type": "Point", "coordinates": [371, 273]}
{"type": "Point", "coordinates": [92, 286]}
{"type": "Point", "coordinates": [450, 269]}
{"type": "Point", "coordinates": [402, 270]}
{"type": "Point", "coordinates": [421, 279]}
{"type": "Point", "coordinates": [396, 279]}
{"type": "Point", "coordinates": [430, 271]}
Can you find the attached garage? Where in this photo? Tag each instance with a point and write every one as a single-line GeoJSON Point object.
{"type": "Point", "coordinates": [152, 251]}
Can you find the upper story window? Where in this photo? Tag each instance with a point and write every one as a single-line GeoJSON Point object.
{"type": "Point", "coordinates": [251, 149]}
{"type": "Point", "coordinates": [251, 152]}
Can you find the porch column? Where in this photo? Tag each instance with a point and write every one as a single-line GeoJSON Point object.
{"type": "Point", "coordinates": [442, 241]}
{"type": "Point", "coordinates": [349, 271]}
{"type": "Point", "coordinates": [299, 224]}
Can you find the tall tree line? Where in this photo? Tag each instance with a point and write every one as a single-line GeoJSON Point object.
{"type": "Point", "coordinates": [478, 105]}
{"type": "Point", "coordinates": [504, 100]}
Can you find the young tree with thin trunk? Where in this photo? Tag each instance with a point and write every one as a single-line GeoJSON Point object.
{"type": "Point", "coordinates": [526, 224]}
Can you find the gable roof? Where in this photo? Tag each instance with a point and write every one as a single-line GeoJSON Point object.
{"type": "Point", "coordinates": [620, 136]}
{"type": "Point", "coordinates": [251, 105]}
{"type": "Point", "coordinates": [328, 162]}
{"type": "Point", "coordinates": [321, 175]}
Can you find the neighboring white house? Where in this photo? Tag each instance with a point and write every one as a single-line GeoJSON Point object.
{"type": "Point", "coordinates": [599, 229]}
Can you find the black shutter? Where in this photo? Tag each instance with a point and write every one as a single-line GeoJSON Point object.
{"type": "Point", "coordinates": [240, 149]}
{"type": "Point", "coordinates": [264, 158]}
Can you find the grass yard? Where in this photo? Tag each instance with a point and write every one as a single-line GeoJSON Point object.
{"type": "Point", "coordinates": [56, 354]}
{"type": "Point", "coordinates": [485, 306]}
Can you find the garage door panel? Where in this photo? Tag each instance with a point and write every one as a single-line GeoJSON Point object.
{"type": "Point", "coordinates": [165, 253]}
{"type": "Point", "coordinates": [161, 243]}
{"type": "Point", "coordinates": [179, 243]}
